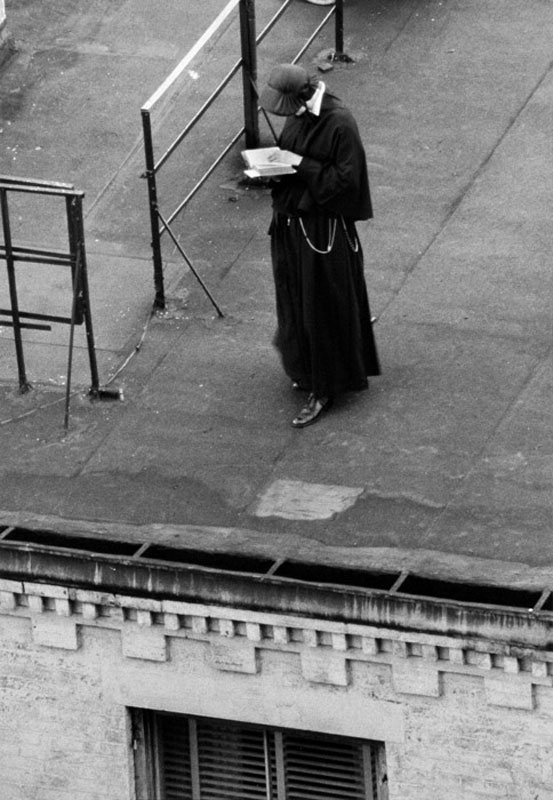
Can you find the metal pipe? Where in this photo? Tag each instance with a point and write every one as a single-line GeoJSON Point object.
{"type": "Point", "coordinates": [313, 36]}
{"type": "Point", "coordinates": [272, 22]}
{"type": "Point", "coordinates": [84, 294]}
{"type": "Point", "coordinates": [179, 69]}
{"type": "Point", "coordinates": [26, 325]}
{"type": "Point", "coordinates": [249, 71]}
{"type": "Point", "coordinates": [37, 188]}
{"type": "Point", "coordinates": [32, 183]}
{"type": "Point", "coordinates": [202, 180]}
{"type": "Point", "coordinates": [24, 385]}
{"type": "Point", "coordinates": [199, 114]}
{"type": "Point", "coordinates": [196, 275]}
{"type": "Point", "coordinates": [29, 315]}
{"type": "Point", "coordinates": [74, 253]}
{"type": "Point", "coordinates": [159, 300]}
{"type": "Point", "coordinates": [339, 29]}
{"type": "Point", "coordinates": [76, 281]}
{"type": "Point", "coordinates": [33, 256]}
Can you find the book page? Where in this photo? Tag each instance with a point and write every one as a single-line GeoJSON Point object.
{"type": "Point", "coordinates": [263, 162]}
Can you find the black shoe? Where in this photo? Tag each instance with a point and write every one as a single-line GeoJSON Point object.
{"type": "Point", "coordinates": [311, 412]}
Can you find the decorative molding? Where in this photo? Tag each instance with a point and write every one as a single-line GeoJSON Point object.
{"type": "Point", "coordinates": [505, 690]}
{"type": "Point", "coordinates": [233, 656]}
{"type": "Point", "coordinates": [415, 676]}
{"type": "Point", "coordinates": [326, 647]}
{"type": "Point", "coordinates": [143, 642]}
{"type": "Point", "coordinates": [51, 630]}
{"type": "Point", "coordinates": [322, 666]}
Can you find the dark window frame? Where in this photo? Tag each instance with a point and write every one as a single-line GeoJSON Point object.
{"type": "Point", "coordinates": [154, 768]}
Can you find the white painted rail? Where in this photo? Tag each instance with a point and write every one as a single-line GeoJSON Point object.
{"type": "Point", "coordinates": [192, 53]}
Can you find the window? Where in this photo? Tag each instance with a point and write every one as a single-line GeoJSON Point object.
{"type": "Point", "coordinates": [192, 758]}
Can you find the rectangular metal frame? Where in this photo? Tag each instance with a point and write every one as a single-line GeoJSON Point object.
{"type": "Point", "coordinates": [74, 259]}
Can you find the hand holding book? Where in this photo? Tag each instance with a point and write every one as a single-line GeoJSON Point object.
{"type": "Point", "coordinates": [269, 161]}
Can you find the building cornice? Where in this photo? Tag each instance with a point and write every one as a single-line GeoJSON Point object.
{"type": "Point", "coordinates": [254, 587]}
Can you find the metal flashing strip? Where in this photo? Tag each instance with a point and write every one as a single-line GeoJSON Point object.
{"type": "Point", "coordinates": [41, 547]}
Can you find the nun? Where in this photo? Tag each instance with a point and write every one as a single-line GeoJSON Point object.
{"type": "Point", "coordinates": [324, 332]}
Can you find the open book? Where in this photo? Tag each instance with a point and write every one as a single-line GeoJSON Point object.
{"type": "Point", "coordinates": [263, 162]}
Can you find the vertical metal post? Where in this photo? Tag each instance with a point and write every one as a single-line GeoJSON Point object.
{"type": "Point", "coordinates": [74, 312]}
{"type": "Point", "coordinates": [72, 235]}
{"type": "Point", "coordinates": [159, 301]}
{"type": "Point", "coordinates": [24, 385]}
{"type": "Point", "coordinates": [249, 71]}
{"type": "Point", "coordinates": [339, 31]}
{"type": "Point", "coordinates": [83, 307]}
{"type": "Point", "coordinates": [75, 305]}
{"type": "Point", "coordinates": [80, 309]}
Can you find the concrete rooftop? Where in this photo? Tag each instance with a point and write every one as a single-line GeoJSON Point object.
{"type": "Point", "coordinates": [444, 466]}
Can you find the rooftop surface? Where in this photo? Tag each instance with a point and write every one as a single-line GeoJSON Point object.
{"type": "Point", "coordinates": [444, 466]}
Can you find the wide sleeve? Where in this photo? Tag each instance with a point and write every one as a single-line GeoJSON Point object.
{"type": "Point", "coordinates": [338, 181]}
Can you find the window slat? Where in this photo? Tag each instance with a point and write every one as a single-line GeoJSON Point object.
{"type": "Point", "coordinates": [233, 761]}
{"type": "Point", "coordinates": [323, 769]}
{"type": "Point", "coordinates": [175, 743]}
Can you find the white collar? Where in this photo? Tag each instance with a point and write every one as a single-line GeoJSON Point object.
{"type": "Point", "coordinates": [314, 104]}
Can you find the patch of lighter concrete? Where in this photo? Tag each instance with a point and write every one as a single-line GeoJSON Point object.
{"type": "Point", "coordinates": [303, 501]}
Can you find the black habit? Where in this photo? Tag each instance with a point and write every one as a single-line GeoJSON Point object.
{"type": "Point", "coordinates": [324, 332]}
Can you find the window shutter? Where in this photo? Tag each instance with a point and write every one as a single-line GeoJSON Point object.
{"type": "Point", "coordinates": [231, 762]}
{"type": "Point", "coordinates": [206, 759]}
{"type": "Point", "coordinates": [175, 757]}
{"type": "Point", "coordinates": [317, 768]}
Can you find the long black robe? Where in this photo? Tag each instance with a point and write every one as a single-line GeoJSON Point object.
{"type": "Point", "coordinates": [324, 333]}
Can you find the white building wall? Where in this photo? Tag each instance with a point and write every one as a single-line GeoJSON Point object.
{"type": "Point", "coordinates": [460, 719]}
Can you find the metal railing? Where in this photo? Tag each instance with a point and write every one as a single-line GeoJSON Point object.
{"type": "Point", "coordinates": [161, 222]}
{"type": "Point", "coordinates": [74, 260]}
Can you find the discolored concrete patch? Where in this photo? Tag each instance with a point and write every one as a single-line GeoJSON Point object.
{"type": "Point", "coordinates": [305, 501]}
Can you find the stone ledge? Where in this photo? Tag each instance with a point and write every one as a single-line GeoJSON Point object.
{"type": "Point", "coordinates": [390, 610]}
{"type": "Point", "coordinates": [326, 648]}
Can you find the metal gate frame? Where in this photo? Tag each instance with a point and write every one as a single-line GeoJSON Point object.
{"type": "Point", "coordinates": [75, 260]}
